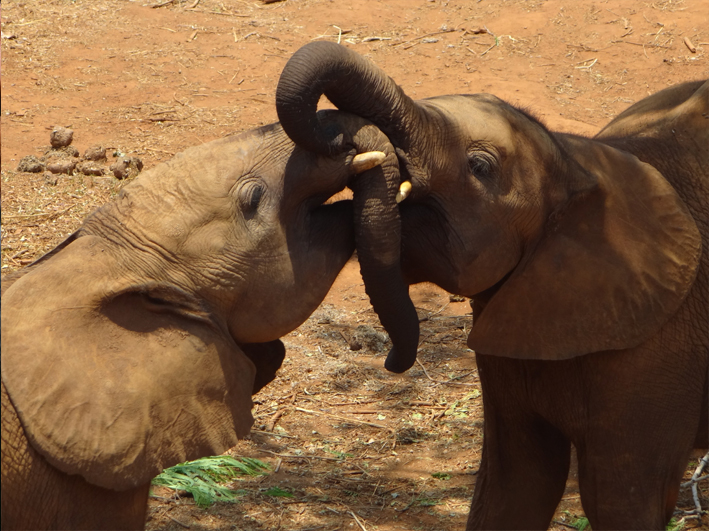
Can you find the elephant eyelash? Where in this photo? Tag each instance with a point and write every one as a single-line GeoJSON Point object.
{"type": "Point", "coordinates": [250, 197]}
{"type": "Point", "coordinates": [256, 195]}
{"type": "Point", "coordinates": [481, 165]}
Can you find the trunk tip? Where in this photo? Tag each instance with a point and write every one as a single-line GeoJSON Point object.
{"type": "Point", "coordinates": [397, 362]}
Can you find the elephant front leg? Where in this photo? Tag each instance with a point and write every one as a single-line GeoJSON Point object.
{"type": "Point", "coordinates": [523, 473]}
{"type": "Point", "coordinates": [525, 461]}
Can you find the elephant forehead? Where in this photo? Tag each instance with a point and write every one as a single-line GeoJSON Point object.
{"type": "Point", "coordinates": [484, 119]}
{"type": "Point", "coordinates": [168, 212]}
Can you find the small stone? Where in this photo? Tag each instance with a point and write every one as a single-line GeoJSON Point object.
{"type": "Point", "coordinates": [50, 178]}
{"type": "Point", "coordinates": [31, 164]}
{"type": "Point", "coordinates": [61, 137]}
{"type": "Point", "coordinates": [62, 166]}
{"type": "Point", "coordinates": [96, 153]}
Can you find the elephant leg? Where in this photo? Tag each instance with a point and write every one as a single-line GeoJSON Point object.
{"type": "Point", "coordinates": [525, 464]}
{"type": "Point", "coordinates": [626, 484]}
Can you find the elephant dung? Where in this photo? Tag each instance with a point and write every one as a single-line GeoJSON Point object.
{"type": "Point", "coordinates": [61, 137]}
{"type": "Point", "coordinates": [96, 154]}
{"type": "Point", "coordinates": [50, 178]}
{"type": "Point", "coordinates": [31, 164]}
{"type": "Point", "coordinates": [64, 151]}
{"type": "Point", "coordinates": [62, 166]}
{"type": "Point", "coordinates": [369, 338]}
{"type": "Point", "coordinates": [89, 167]}
{"type": "Point", "coordinates": [126, 167]}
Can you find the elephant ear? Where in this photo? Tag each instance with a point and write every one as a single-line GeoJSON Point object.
{"type": "Point", "coordinates": [615, 262]}
{"type": "Point", "coordinates": [9, 279]}
{"type": "Point", "coordinates": [116, 381]}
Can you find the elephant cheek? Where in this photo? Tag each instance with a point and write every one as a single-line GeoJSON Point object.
{"type": "Point", "coordinates": [425, 252]}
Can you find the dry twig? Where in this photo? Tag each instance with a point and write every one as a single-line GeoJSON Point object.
{"type": "Point", "coordinates": [50, 214]}
{"type": "Point", "coordinates": [357, 520]}
{"type": "Point", "coordinates": [274, 434]}
{"type": "Point", "coordinates": [424, 36]}
{"type": "Point", "coordinates": [287, 456]}
{"type": "Point", "coordinates": [273, 420]}
{"type": "Point", "coordinates": [186, 526]}
{"type": "Point", "coordinates": [490, 48]}
{"type": "Point", "coordinates": [344, 419]}
{"type": "Point", "coordinates": [163, 4]}
{"type": "Point", "coordinates": [689, 45]}
{"type": "Point", "coordinates": [696, 478]}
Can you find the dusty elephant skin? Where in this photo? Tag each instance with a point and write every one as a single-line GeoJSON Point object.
{"type": "Point", "coordinates": [137, 343]}
{"type": "Point", "coordinates": [587, 263]}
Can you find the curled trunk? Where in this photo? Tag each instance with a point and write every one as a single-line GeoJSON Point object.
{"type": "Point", "coordinates": [355, 85]}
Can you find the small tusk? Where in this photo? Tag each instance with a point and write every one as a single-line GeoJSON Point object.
{"type": "Point", "coordinates": [367, 161]}
{"type": "Point", "coordinates": [404, 191]}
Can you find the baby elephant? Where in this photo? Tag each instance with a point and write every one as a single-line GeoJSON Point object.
{"type": "Point", "coordinates": [137, 343]}
{"type": "Point", "coordinates": [587, 260]}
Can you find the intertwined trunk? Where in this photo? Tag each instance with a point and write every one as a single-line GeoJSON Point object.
{"type": "Point", "coordinates": [355, 85]}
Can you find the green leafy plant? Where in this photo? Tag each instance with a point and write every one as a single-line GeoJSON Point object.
{"type": "Point", "coordinates": [428, 502]}
{"type": "Point", "coordinates": [201, 477]}
{"type": "Point", "coordinates": [337, 453]}
{"type": "Point", "coordinates": [581, 523]}
{"type": "Point", "coordinates": [278, 492]}
{"type": "Point", "coordinates": [441, 475]}
{"type": "Point", "coordinates": [676, 525]}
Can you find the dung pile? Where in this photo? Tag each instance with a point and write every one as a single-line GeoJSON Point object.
{"type": "Point", "coordinates": [63, 158]}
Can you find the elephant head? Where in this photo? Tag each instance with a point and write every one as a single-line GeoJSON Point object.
{"type": "Point", "coordinates": [574, 245]}
{"type": "Point", "coordinates": [138, 342]}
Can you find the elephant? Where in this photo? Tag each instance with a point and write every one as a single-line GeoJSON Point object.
{"type": "Point", "coordinates": [586, 262]}
{"type": "Point", "coordinates": [137, 343]}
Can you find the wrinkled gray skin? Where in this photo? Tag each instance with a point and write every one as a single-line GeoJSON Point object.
{"type": "Point", "coordinates": [586, 261]}
{"type": "Point", "coordinates": [137, 343]}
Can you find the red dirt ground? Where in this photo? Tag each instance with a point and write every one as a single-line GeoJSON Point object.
{"type": "Point", "coordinates": [355, 445]}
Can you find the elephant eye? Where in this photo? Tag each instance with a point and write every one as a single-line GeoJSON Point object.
{"type": "Point", "coordinates": [481, 164]}
{"type": "Point", "coordinates": [256, 195]}
{"type": "Point", "coordinates": [250, 197]}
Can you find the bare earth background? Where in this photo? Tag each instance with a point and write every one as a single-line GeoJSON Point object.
{"type": "Point", "coordinates": [357, 447]}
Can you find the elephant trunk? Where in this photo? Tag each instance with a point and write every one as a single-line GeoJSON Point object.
{"type": "Point", "coordinates": [352, 84]}
{"type": "Point", "coordinates": [378, 236]}
{"type": "Point", "coordinates": [355, 85]}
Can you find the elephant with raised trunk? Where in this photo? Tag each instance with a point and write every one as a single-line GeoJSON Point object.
{"type": "Point", "coordinates": [137, 343]}
{"type": "Point", "coordinates": [586, 261]}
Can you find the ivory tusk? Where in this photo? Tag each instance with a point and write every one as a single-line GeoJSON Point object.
{"type": "Point", "coordinates": [367, 161]}
{"type": "Point", "coordinates": [404, 191]}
